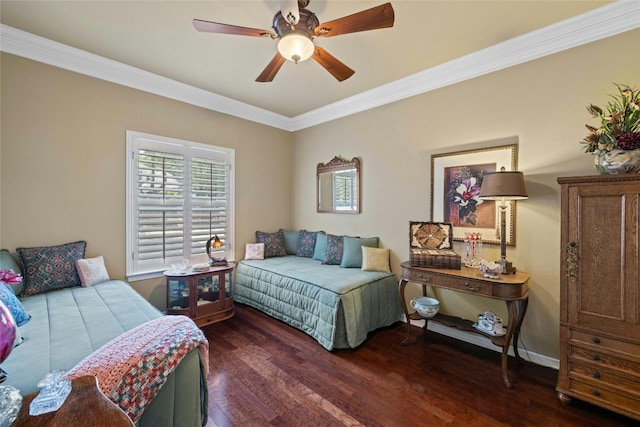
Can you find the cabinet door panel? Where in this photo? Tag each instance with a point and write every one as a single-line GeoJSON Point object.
{"type": "Point", "coordinates": [603, 294]}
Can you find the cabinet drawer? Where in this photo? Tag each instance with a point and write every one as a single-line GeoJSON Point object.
{"type": "Point", "coordinates": [624, 404]}
{"type": "Point", "coordinates": [603, 359]}
{"type": "Point", "coordinates": [594, 340]}
{"type": "Point", "coordinates": [455, 283]}
{"type": "Point", "coordinates": [486, 287]}
{"type": "Point", "coordinates": [603, 378]}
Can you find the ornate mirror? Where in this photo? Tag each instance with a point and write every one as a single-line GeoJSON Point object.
{"type": "Point", "coordinates": [339, 186]}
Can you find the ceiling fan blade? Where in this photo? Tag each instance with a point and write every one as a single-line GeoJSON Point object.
{"type": "Point", "coordinates": [270, 71]}
{"type": "Point", "coordinates": [371, 19]}
{"type": "Point", "coordinates": [215, 27]}
{"type": "Point", "coordinates": [290, 11]}
{"type": "Point", "coordinates": [332, 64]}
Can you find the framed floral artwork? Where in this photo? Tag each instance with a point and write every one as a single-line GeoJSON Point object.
{"type": "Point", "coordinates": [456, 179]}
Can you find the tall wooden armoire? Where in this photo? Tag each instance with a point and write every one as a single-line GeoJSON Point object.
{"type": "Point", "coordinates": [600, 292]}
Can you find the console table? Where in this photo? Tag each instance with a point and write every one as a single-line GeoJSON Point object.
{"type": "Point", "coordinates": [511, 288]}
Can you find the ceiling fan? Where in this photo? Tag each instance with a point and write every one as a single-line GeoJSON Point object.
{"type": "Point", "coordinates": [296, 27]}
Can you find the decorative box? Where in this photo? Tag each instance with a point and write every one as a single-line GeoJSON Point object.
{"type": "Point", "coordinates": [431, 245]}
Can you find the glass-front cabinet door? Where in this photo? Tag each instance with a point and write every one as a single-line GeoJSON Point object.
{"type": "Point", "coordinates": [205, 296]}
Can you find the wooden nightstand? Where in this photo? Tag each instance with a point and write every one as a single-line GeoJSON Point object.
{"type": "Point", "coordinates": [205, 296]}
{"type": "Point", "coordinates": [85, 406]}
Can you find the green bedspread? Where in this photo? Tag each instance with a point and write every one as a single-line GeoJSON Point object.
{"type": "Point", "coordinates": [69, 324]}
{"type": "Point", "coordinates": [336, 306]}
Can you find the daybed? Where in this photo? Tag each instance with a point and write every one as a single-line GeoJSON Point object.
{"type": "Point", "coordinates": [68, 325]}
{"type": "Point", "coordinates": [337, 305]}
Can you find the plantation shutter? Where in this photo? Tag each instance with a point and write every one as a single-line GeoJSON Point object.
{"type": "Point", "coordinates": [179, 196]}
{"type": "Point", "coordinates": [209, 194]}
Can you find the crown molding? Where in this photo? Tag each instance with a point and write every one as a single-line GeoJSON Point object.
{"type": "Point", "coordinates": [606, 21]}
{"type": "Point", "coordinates": [27, 45]}
{"type": "Point", "coordinates": [600, 23]}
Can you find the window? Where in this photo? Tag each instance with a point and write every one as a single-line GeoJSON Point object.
{"type": "Point", "coordinates": [343, 188]}
{"type": "Point", "coordinates": [179, 194]}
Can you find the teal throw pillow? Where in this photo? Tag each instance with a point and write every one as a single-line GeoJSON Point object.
{"type": "Point", "coordinates": [352, 251]}
{"type": "Point", "coordinates": [335, 246]}
{"type": "Point", "coordinates": [306, 243]}
{"type": "Point", "coordinates": [321, 246]}
{"type": "Point", "coordinates": [14, 305]}
{"type": "Point", "coordinates": [290, 241]}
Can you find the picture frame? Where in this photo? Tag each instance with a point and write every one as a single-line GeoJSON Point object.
{"type": "Point", "coordinates": [456, 179]}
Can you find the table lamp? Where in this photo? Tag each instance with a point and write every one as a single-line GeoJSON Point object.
{"type": "Point", "coordinates": [503, 186]}
{"type": "Point", "coordinates": [215, 243]}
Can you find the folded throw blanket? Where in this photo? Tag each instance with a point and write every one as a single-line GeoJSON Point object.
{"type": "Point", "coordinates": [134, 366]}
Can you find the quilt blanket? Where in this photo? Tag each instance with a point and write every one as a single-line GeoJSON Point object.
{"type": "Point", "coordinates": [132, 368]}
{"type": "Point", "coordinates": [336, 306]}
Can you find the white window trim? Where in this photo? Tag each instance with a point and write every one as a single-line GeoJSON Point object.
{"type": "Point", "coordinates": [132, 138]}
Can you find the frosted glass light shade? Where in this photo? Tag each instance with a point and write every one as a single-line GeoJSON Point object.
{"type": "Point", "coordinates": [295, 47]}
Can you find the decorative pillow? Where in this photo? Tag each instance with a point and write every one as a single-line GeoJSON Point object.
{"type": "Point", "coordinates": [254, 251]}
{"type": "Point", "coordinates": [92, 271]}
{"type": "Point", "coordinates": [334, 250]}
{"type": "Point", "coordinates": [306, 243]}
{"type": "Point", "coordinates": [375, 259]}
{"type": "Point", "coordinates": [7, 262]}
{"type": "Point", "coordinates": [50, 267]}
{"type": "Point", "coordinates": [273, 243]}
{"type": "Point", "coordinates": [352, 252]}
{"type": "Point", "coordinates": [321, 246]}
{"type": "Point", "coordinates": [14, 305]}
{"type": "Point", "coordinates": [290, 241]}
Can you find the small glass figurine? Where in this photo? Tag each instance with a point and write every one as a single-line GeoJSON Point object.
{"type": "Point", "coordinates": [472, 249]}
{"type": "Point", "coordinates": [55, 388]}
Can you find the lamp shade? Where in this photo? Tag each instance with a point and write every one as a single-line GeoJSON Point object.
{"type": "Point", "coordinates": [296, 46]}
{"type": "Point", "coordinates": [503, 185]}
{"type": "Point", "coordinates": [217, 243]}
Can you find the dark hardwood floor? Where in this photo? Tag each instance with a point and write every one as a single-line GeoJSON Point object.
{"type": "Point", "coordinates": [264, 372]}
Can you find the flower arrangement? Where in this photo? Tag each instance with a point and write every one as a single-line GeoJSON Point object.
{"type": "Point", "coordinates": [619, 123]}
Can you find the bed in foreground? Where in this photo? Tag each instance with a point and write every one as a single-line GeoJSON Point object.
{"type": "Point", "coordinates": [72, 328]}
{"type": "Point", "coordinates": [336, 306]}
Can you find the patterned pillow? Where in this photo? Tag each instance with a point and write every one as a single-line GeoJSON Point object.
{"type": "Point", "coordinates": [335, 245]}
{"type": "Point", "coordinates": [92, 271]}
{"type": "Point", "coordinates": [50, 267]}
{"type": "Point", "coordinates": [273, 243]}
{"type": "Point", "coordinates": [306, 243]}
{"type": "Point", "coordinates": [14, 305]}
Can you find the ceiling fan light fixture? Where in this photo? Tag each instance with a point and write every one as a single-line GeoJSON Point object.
{"type": "Point", "coordinates": [296, 46]}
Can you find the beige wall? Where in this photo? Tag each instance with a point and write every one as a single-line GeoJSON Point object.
{"type": "Point", "coordinates": [542, 103]}
{"type": "Point", "coordinates": [56, 123]}
{"type": "Point", "coordinates": [63, 161]}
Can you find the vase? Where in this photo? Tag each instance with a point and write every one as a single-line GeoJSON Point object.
{"type": "Point", "coordinates": [618, 161]}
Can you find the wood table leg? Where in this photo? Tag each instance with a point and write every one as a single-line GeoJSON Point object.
{"type": "Point", "coordinates": [516, 310]}
{"type": "Point", "coordinates": [522, 309]}
{"type": "Point", "coordinates": [401, 285]}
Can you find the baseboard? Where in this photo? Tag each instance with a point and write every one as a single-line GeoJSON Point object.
{"type": "Point", "coordinates": [479, 340]}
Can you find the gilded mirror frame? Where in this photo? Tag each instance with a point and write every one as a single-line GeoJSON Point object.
{"type": "Point", "coordinates": [338, 186]}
